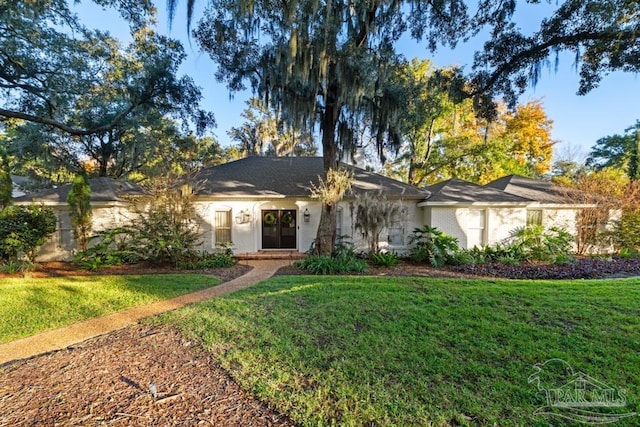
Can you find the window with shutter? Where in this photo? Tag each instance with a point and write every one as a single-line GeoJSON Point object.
{"type": "Point", "coordinates": [222, 227]}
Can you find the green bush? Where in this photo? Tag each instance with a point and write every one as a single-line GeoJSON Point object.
{"type": "Point", "coordinates": [164, 230]}
{"type": "Point", "coordinates": [432, 245]}
{"type": "Point", "coordinates": [384, 259]}
{"type": "Point", "coordinates": [113, 247]}
{"type": "Point", "coordinates": [326, 265]}
{"type": "Point", "coordinates": [16, 266]}
{"type": "Point", "coordinates": [626, 253]}
{"type": "Point", "coordinates": [467, 257]}
{"type": "Point", "coordinates": [344, 259]}
{"type": "Point", "coordinates": [23, 229]}
{"type": "Point", "coordinates": [206, 261]}
{"type": "Point", "coordinates": [535, 243]}
{"type": "Point", "coordinates": [626, 231]}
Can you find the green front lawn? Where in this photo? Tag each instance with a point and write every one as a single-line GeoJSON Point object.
{"type": "Point", "coordinates": [418, 351]}
{"type": "Point", "coordinates": [29, 306]}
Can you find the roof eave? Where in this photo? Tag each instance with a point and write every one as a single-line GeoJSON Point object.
{"type": "Point", "coordinates": [428, 203]}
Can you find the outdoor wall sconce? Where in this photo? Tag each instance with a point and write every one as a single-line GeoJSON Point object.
{"type": "Point", "coordinates": [306, 215]}
{"type": "Point", "coordinates": [243, 217]}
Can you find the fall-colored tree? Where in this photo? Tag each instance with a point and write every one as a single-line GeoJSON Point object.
{"type": "Point", "coordinates": [529, 132]}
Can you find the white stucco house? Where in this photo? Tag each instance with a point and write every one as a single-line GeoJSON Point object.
{"type": "Point", "coordinates": [264, 204]}
{"type": "Point", "coordinates": [485, 215]}
{"type": "Point", "coordinates": [110, 208]}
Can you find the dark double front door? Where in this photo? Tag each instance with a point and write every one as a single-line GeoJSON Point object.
{"type": "Point", "coordinates": [279, 229]}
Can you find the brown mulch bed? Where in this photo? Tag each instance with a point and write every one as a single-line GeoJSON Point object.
{"type": "Point", "coordinates": [65, 269]}
{"type": "Point", "coordinates": [139, 376]}
{"type": "Point", "coordinates": [403, 269]}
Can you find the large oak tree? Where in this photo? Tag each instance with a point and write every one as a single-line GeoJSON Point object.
{"type": "Point", "coordinates": [70, 95]}
{"type": "Point", "coordinates": [327, 62]}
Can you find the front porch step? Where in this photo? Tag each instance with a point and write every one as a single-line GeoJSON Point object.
{"type": "Point", "coordinates": [290, 255]}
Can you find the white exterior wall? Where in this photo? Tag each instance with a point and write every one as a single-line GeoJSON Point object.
{"type": "Point", "coordinates": [563, 218]}
{"type": "Point", "coordinates": [61, 245]}
{"type": "Point", "coordinates": [499, 222]}
{"type": "Point", "coordinates": [413, 218]}
{"type": "Point", "coordinates": [247, 237]}
{"type": "Point", "coordinates": [451, 221]}
{"type": "Point", "coordinates": [502, 222]}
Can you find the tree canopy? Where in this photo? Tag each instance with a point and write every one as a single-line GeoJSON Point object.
{"type": "Point", "coordinates": [265, 133]}
{"type": "Point", "coordinates": [444, 137]}
{"type": "Point", "coordinates": [328, 63]}
{"type": "Point", "coordinates": [618, 151]}
{"type": "Point", "coordinates": [72, 97]}
{"type": "Point", "coordinates": [50, 60]}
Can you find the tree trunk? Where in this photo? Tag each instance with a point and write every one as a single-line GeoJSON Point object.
{"type": "Point", "coordinates": [634, 159]}
{"type": "Point", "coordinates": [326, 234]}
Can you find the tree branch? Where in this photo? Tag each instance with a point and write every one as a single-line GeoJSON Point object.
{"type": "Point", "coordinates": [9, 114]}
{"type": "Point", "coordinates": [515, 62]}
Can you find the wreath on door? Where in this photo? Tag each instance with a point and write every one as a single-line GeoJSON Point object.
{"type": "Point", "coordinates": [288, 220]}
{"type": "Point", "coordinates": [269, 218]}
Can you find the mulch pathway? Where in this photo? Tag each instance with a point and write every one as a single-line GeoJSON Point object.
{"type": "Point", "coordinates": [137, 376]}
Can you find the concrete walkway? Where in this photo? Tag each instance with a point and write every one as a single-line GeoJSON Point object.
{"type": "Point", "coordinates": [63, 337]}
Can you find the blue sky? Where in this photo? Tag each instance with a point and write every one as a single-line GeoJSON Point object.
{"type": "Point", "coordinates": [578, 121]}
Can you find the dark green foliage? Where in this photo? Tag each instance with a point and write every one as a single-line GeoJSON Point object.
{"type": "Point", "coordinates": [325, 265]}
{"type": "Point", "coordinates": [6, 185]}
{"type": "Point", "coordinates": [23, 229]}
{"type": "Point", "coordinates": [384, 259]}
{"type": "Point", "coordinates": [16, 266]}
{"type": "Point", "coordinates": [112, 247]}
{"type": "Point", "coordinates": [626, 231]}
{"type": "Point", "coordinates": [164, 230]}
{"type": "Point", "coordinates": [626, 253]}
{"type": "Point", "coordinates": [432, 245]}
{"type": "Point", "coordinates": [618, 151]}
{"type": "Point", "coordinates": [536, 243]}
{"type": "Point", "coordinates": [343, 260]}
{"type": "Point", "coordinates": [206, 261]}
{"type": "Point", "coordinates": [79, 200]}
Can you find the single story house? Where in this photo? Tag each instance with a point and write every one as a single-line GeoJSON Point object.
{"type": "Point", "coordinates": [109, 204]}
{"type": "Point", "coordinates": [264, 204]}
{"type": "Point", "coordinates": [481, 215]}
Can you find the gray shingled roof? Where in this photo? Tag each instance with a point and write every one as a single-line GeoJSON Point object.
{"type": "Point", "coordinates": [102, 190]}
{"type": "Point", "coordinates": [288, 177]}
{"type": "Point", "coordinates": [456, 191]}
{"type": "Point", "coordinates": [534, 189]}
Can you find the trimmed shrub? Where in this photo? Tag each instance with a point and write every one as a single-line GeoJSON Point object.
{"type": "Point", "coordinates": [206, 261]}
{"type": "Point", "coordinates": [80, 213]}
{"type": "Point", "coordinates": [23, 229]}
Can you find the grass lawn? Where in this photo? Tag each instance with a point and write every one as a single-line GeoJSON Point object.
{"type": "Point", "coordinates": [419, 351]}
{"type": "Point", "coordinates": [29, 306]}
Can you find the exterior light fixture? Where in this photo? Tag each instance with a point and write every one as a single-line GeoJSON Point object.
{"type": "Point", "coordinates": [243, 217]}
{"type": "Point", "coordinates": [306, 215]}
